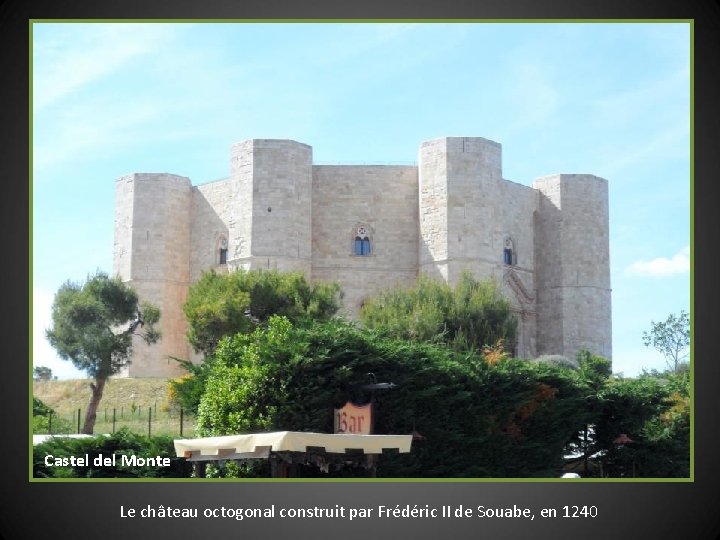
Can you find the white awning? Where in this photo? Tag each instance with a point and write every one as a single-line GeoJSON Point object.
{"type": "Point", "coordinates": [259, 445]}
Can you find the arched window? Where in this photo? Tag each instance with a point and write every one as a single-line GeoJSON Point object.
{"type": "Point", "coordinates": [509, 255]}
{"type": "Point", "coordinates": [222, 251]}
{"type": "Point", "coordinates": [361, 244]}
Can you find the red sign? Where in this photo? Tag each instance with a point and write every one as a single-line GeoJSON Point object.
{"type": "Point", "coordinates": [356, 419]}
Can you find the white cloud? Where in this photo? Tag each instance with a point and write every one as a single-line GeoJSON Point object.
{"type": "Point", "coordinates": [662, 266]}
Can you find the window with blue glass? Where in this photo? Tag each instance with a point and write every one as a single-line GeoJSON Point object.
{"type": "Point", "coordinates": [362, 244]}
{"type": "Point", "coordinates": [509, 256]}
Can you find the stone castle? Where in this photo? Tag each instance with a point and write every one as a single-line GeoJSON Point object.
{"type": "Point", "coordinates": [371, 228]}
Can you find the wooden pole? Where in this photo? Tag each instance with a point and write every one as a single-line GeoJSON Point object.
{"type": "Point", "coordinates": [199, 467]}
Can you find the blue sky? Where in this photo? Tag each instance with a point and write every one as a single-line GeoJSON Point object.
{"type": "Point", "coordinates": [607, 99]}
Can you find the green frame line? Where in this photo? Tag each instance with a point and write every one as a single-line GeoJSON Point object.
{"type": "Point", "coordinates": [690, 479]}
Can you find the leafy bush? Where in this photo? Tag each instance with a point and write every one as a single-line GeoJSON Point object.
{"type": "Point", "coordinates": [187, 390]}
{"type": "Point", "coordinates": [221, 305]}
{"type": "Point", "coordinates": [43, 423]}
{"type": "Point", "coordinates": [122, 442]}
{"type": "Point", "coordinates": [508, 420]}
{"type": "Point", "coordinates": [655, 412]}
{"type": "Point", "coordinates": [39, 408]}
{"type": "Point", "coordinates": [468, 317]}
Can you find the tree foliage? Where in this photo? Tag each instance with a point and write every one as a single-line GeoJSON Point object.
{"type": "Point", "coordinates": [510, 419]}
{"type": "Point", "coordinates": [505, 418]}
{"type": "Point", "coordinates": [671, 338]}
{"type": "Point", "coordinates": [667, 435]}
{"type": "Point", "coordinates": [45, 420]}
{"type": "Point", "coordinates": [39, 408]}
{"type": "Point", "coordinates": [652, 411]}
{"type": "Point", "coordinates": [92, 326]}
{"type": "Point", "coordinates": [223, 305]}
{"type": "Point", "coordinates": [468, 317]}
{"type": "Point", "coordinates": [42, 373]}
{"type": "Point", "coordinates": [122, 442]}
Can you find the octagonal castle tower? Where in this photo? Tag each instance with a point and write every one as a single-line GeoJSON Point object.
{"type": "Point", "coordinates": [370, 228]}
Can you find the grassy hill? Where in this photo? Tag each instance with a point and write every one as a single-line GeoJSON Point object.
{"type": "Point", "coordinates": [131, 399]}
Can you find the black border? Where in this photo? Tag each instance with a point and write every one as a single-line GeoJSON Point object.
{"type": "Point", "coordinates": [78, 511]}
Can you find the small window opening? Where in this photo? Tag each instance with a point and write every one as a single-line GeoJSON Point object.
{"type": "Point", "coordinates": [362, 246]}
{"type": "Point", "coordinates": [222, 251]}
{"type": "Point", "coordinates": [508, 256]}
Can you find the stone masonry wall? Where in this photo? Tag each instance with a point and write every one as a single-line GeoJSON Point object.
{"type": "Point", "coordinates": [452, 212]}
{"type": "Point", "coordinates": [159, 268]}
{"type": "Point", "coordinates": [573, 271]}
{"type": "Point", "coordinates": [384, 199]}
{"type": "Point", "coordinates": [277, 220]}
{"type": "Point", "coordinates": [433, 209]}
{"type": "Point", "coordinates": [518, 204]}
{"type": "Point", "coordinates": [460, 207]}
{"type": "Point", "coordinates": [212, 208]}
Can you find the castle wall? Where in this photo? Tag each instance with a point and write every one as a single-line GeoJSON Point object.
{"type": "Point", "coordinates": [273, 196]}
{"type": "Point", "coordinates": [518, 204]}
{"type": "Point", "coordinates": [383, 199]}
{"type": "Point", "coordinates": [461, 216]}
{"type": "Point", "coordinates": [239, 212]}
{"type": "Point", "coordinates": [124, 215]}
{"type": "Point", "coordinates": [573, 265]}
{"type": "Point", "coordinates": [154, 210]}
{"type": "Point", "coordinates": [212, 207]}
{"type": "Point", "coordinates": [452, 212]}
{"type": "Point", "coordinates": [433, 209]}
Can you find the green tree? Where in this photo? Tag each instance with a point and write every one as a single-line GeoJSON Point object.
{"type": "Point", "coordinates": [665, 451]}
{"type": "Point", "coordinates": [93, 324]}
{"type": "Point", "coordinates": [42, 373]}
{"type": "Point", "coordinates": [629, 407]}
{"type": "Point", "coordinates": [468, 317]}
{"type": "Point", "coordinates": [635, 426]}
{"type": "Point", "coordinates": [223, 305]}
{"type": "Point", "coordinates": [671, 338]}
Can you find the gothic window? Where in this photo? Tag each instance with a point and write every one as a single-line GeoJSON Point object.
{"type": "Point", "coordinates": [223, 251]}
{"type": "Point", "coordinates": [361, 243]}
{"type": "Point", "coordinates": [509, 256]}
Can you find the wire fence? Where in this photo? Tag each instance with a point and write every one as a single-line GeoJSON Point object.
{"type": "Point", "coordinates": [144, 420]}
